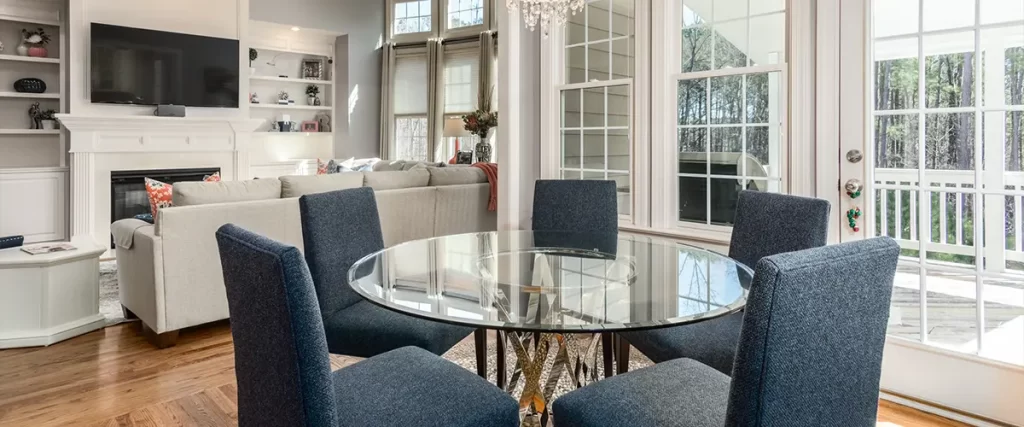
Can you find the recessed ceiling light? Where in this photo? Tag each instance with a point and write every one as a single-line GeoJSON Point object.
{"type": "Point", "coordinates": [295, 28]}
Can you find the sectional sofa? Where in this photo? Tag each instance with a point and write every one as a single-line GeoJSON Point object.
{"type": "Point", "coordinates": [170, 275]}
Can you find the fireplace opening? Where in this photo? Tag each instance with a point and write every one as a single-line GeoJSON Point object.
{"type": "Point", "coordinates": [128, 196]}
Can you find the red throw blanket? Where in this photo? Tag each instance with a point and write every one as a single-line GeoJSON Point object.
{"type": "Point", "coordinates": [491, 170]}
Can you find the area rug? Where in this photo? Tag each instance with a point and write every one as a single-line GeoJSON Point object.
{"type": "Point", "coordinates": [463, 354]}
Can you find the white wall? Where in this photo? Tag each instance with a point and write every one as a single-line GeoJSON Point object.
{"type": "Point", "coordinates": [212, 18]}
{"type": "Point", "coordinates": [363, 23]}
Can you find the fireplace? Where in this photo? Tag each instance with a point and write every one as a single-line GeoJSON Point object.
{"type": "Point", "coordinates": [128, 189]}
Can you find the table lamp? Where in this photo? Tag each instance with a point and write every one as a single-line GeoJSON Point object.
{"type": "Point", "coordinates": [453, 128]}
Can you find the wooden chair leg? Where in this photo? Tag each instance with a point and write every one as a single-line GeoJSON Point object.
{"type": "Point", "coordinates": [128, 315]}
{"type": "Point", "coordinates": [500, 380]}
{"type": "Point", "coordinates": [607, 349]}
{"type": "Point", "coordinates": [622, 355]}
{"type": "Point", "coordinates": [480, 337]}
{"type": "Point", "coordinates": [161, 341]}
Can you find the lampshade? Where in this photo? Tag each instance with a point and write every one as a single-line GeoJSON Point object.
{"type": "Point", "coordinates": [453, 128]}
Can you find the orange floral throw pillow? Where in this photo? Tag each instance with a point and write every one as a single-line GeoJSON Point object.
{"type": "Point", "coordinates": [161, 194]}
{"type": "Point", "coordinates": [321, 167]}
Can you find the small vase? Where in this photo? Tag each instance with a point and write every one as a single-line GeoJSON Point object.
{"type": "Point", "coordinates": [316, 101]}
{"type": "Point", "coordinates": [483, 151]}
{"type": "Point", "coordinates": [311, 100]}
{"type": "Point", "coordinates": [22, 49]}
{"type": "Point", "coordinates": [38, 52]}
{"type": "Point", "coordinates": [49, 124]}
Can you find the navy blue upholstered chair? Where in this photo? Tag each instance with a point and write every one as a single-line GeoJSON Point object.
{"type": "Point", "coordinates": [339, 228]}
{"type": "Point", "coordinates": [766, 224]}
{"type": "Point", "coordinates": [575, 206]}
{"type": "Point", "coordinates": [284, 370]}
{"type": "Point", "coordinates": [810, 353]}
{"type": "Point", "coordinates": [11, 241]}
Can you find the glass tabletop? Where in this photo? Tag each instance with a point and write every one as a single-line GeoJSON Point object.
{"type": "Point", "coordinates": [553, 282]}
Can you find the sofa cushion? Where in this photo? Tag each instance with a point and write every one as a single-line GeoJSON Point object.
{"type": "Point", "coordinates": [393, 180]}
{"type": "Point", "coordinates": [204, 193]}
{"type": "Point", "coordinates": [402, 165]}
{"type": "Point", "coordinates": [455, 176]}
{"type": "Point", "coordinates": [300, 185]}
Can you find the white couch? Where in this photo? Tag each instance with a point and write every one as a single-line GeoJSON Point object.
{"type": "Point", "coordinates": [170, 274]}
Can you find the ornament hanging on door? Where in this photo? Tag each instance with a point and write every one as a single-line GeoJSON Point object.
{"type": "Point", "coordinates": [852, 216]}
{"type": "Point", "coordinates": [853, 188]}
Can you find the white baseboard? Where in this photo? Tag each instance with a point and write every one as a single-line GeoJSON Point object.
{"type": "Point", "coordinates": [53, 335]}
{"type": "Point", "coordinates": [945, 413]}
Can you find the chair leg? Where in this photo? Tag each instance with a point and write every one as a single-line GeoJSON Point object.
{"type": "Point", "coordinates": [622, 355]}
{"type": "Point", "coordinates": [500, 380]}
{"type": "Point", "coordinates": [480, 336]}
{"type": "Point", "coordinates": [607, 349]}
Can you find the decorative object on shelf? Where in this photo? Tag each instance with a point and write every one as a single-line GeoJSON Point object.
{"type": "Point", "coordinates": [313, 69]}
{"type": "Point", "coordinates": [545, 12]}
{"type": "Point", "coordinates": [311, 126]}
{"type": "Point", "coordinates": [285, 124]}
{"type": "Point", "coordinates": [35, 43]}
{"type": "Point", "coordinates": [480, 123]}
{"type": "Point", "coordinates": [47, 120]}
{"type": "Point", "coordinates": [30, 85]}
{"type": "Point", "coordinates": [325, 121]}
{"type": "Point", "coordinates": [253, 54]}
{"type": "Point", "coordinates": [852, 216]}
{"type": "Point", "coordinates": [464, 158]}
{"type": "Point", "coordinates": [282, 98]}
{"type": "Point", "coordinates": [273, 127]}
{"type": "Point", "coordinates": [1, 46]}
{"type": "Point", "coordinates": [254, 98]}
{"type": "Point", "coordinates": [295, 126]}
{"type": "Point", "coordinates": [311, 95]}
{"type": "Point", "coordinates": [35, 114]}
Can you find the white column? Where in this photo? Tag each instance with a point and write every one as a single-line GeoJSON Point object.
{"type": "Point", "coordinates": [82, 194]}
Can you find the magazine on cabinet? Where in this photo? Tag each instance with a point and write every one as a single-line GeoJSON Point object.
{"type": "Point", "coordinates": [48, 248]}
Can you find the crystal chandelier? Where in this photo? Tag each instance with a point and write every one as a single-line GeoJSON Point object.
{"type": "Point", "coordinates": [545, 12]}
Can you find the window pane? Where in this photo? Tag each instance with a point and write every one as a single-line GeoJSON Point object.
{"type": "Point", "coordinates": [1003, 46]}
{"type": "Point", "coordinates": [618, 150]}
{"type": "Point", "coordinates": [593, 107]}
{"type": "Point", "coordinates": [895, 17]}
{"type": "Point", "coordinates": [994, 11]}
{"type": "Point", "coordinates": [693, 201]}
{"type": "Point", "coordinates": [727, 99]}
{"type": "Point", "coordinates": [618, 106]}
{"type": "Point", "coordinates": [623, 191]}
{"type": "Point", "coordinates": [949, 70]}
{"type": "Point", "coordinates": [598, 20]}
{"type": "Point", "coordinates": [693, 102]}
{"type": "Point", "coordinates": [949, 141]}
{"type": "Point", "coordinates": [412, 17]}
{"type": "Point", "coordinates": [461, 80]}
{"type": "Point", "coordinates": [571, 143]}
{"type": "Point", "coordinates": [896, 141]}
{"type": "Point", "coordinates": [593, 149]}
{"type": "Point", "coordinates": [598, 61]}
{"type": "Point", "coordinates": [896, 76]}
{"type": "Point", "coordinates": [767, 39]}
{"type": "Point", "coordinates": [571, 108]}
{"type": "Point", "coordinates": [943, 14]}
{"type": "Point", "coordinates": [410, 84]}
{"type": "Point", "coordinates": [576, 64]}
{"type": "Point", "coordinates": [724, 193]}
{"type": "Point", "coordinates": [464, 13]}
{"type": "Point", "coordinates": [411, 138]}
{"type": "Point", "coordinates": [730, 40]}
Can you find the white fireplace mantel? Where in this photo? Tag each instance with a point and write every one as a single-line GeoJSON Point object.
{"type": "Point", "coordinates": [102, 144]}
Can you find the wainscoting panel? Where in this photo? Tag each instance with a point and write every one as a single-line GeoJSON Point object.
{"type": "Point", "coordinates": [34, 203]}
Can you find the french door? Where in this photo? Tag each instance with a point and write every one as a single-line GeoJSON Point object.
{"type": "Point", "coordinates": [930, 117]}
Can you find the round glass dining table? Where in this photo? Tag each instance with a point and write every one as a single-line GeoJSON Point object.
{"type": "Point", "coordinates": [551, 286]}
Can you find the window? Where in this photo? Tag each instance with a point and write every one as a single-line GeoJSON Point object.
{"type": "Point", "coordinates": [461, 96]}
{"type": "Point", "coordinates": [465, 13]}
{"type": "Point", "coordinates": [412, 17]}
{"type": "Point", "coordinates": [420, 20]}
{"type": "Point", "coordinates": [596, 99]}
{"type": "Point", "coordinates": [410, 106]}
{"type": "Point", "coordinates": [729, 106]}
{"type": "Point", "coordinates": [947, 112]}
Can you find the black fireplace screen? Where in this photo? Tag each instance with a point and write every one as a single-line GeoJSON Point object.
{"type": "Point", "coordinates": [128, 196]}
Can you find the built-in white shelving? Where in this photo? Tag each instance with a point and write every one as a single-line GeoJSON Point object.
{"type": "Point", "coordinates": [290, 80]}
{"type": "Point", "coordinates": [55, 61]}
{"type": "Point", "coordinates": [298, 51]}
{"type": "Point", "coordinates": [29, 132]}
{"type": "Point", "coordinates": [29, 95]}
{"type": "Point", "coordinates": [291, 107]}
{"type": "Point", "coordinates": [30, 20]}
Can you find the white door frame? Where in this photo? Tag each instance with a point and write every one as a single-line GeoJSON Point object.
{"type": "Point", "coordinates": [957, 385]}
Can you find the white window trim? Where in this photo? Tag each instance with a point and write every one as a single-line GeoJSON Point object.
{"type": "Point", "coordinates": [438, 23]}
{"type": "Point", "coordinates": [553, 81]}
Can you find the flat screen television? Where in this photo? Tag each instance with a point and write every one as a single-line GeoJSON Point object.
{"type": "Point", "coordinates": [146, 67]}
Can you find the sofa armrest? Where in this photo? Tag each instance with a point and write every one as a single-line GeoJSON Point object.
{"type": "Point", "coordinates": [140, 277]}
